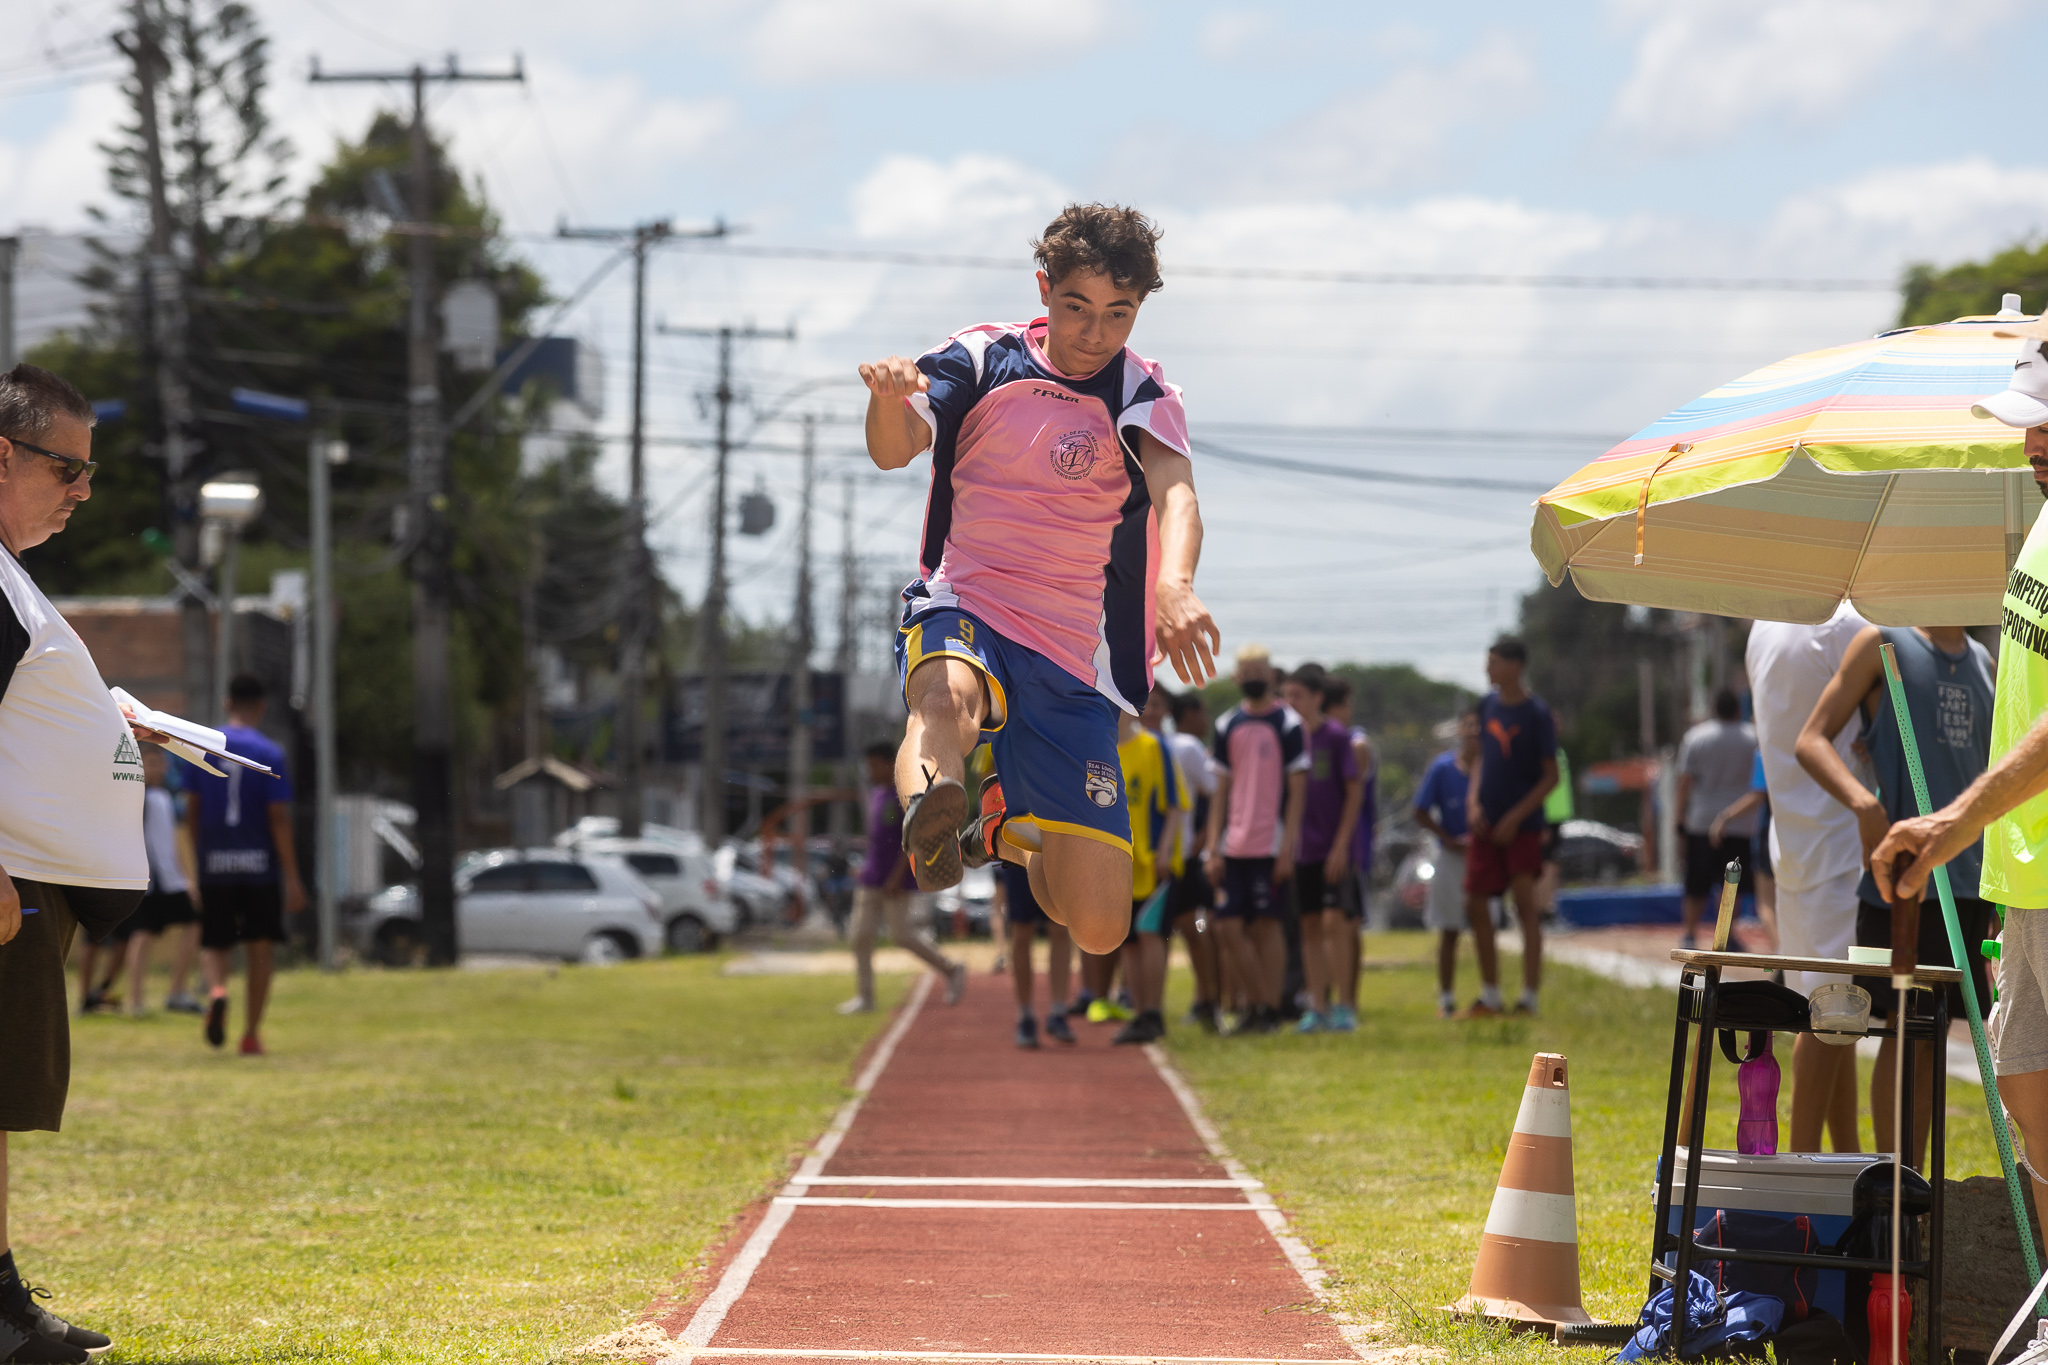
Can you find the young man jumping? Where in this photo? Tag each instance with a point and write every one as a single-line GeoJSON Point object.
{"type": "Point", "coordinates": [1059, 551]}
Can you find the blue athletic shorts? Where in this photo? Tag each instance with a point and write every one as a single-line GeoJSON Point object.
{"type": "Point", "coordinates": [1053, 735]}
{"type": "Point", "coordinates": [1248, 890]}
{"type": "Point", "coordinates": [1022, 906]}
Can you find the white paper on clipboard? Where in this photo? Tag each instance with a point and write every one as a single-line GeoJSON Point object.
{"type": "Point", "coordinates": [189, 740]}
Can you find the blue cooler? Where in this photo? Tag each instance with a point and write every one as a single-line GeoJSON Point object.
{"type": "Point", "coordinates": [1817, 1185]}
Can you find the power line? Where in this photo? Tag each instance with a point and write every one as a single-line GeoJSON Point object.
{"type": "Point", "coordinates": [1241, 457]}
{"type": "Point", "coordinates": [1426, 279]}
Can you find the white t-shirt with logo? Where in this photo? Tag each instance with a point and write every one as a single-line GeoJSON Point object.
{"type": "Point", "coordinates": [1813, 836]}
{"type": "Point", "coordinates": [70, 770]}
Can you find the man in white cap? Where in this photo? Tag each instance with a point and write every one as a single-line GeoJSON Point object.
{"type": "Point", "coordinates": [2008, 805]}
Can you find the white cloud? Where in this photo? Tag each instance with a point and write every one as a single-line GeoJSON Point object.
{"type": "Point", "coordinates": [925, 41]}
{"type": "Point", "coordinates": [1227, 33]}
{"type": "Point", "coordinates": [1705, 69]}
{"type": "Point", "coordinates": [1397, 134]}
{"type": "Point", "coordinates": [1950, 211]}
{"type": "Point", "coordinates": [971, 200]}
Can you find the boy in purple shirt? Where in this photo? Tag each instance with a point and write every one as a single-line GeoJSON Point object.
{"type": "Point", "coordinates": [881, 892]}
{"type": "Point", "coordinates": [1331, 797]}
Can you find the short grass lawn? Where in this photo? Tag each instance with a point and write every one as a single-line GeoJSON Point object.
{"type": "Point", "coordinates": [448, 1166]}
{"type": "Point", "coordinates": [1385, 1146]}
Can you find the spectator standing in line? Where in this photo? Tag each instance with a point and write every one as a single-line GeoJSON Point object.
{"type": "Point", "coordinates": [1946, 677]}
{"type": "Point", "coordinates": [1517, 769]}
{"type": "Point", "coordinates": [1440, 808]}
{"type": "Point", "coordinates": [1159, 805]}
{"type": "Point", "coordinates": [1332, 794]}
{"type": "Point", "coordinates": [167, 907]}
{"type": "Point", "coordinates": [1193, 902]}
{"type": "Point", "coordinates": [1714, 763]}
{"type": "Point", "coordinates": [1025, 917]}
{"type": "Point", "coordinates": [883, 892]}
{"type": "Point", "coordinates": [241, 827]}
{"type": "Point", "coordinates": [71, 852]}
{"type": "Point", "coordinates": [1356, 884]}
{"type": "Point", "coordinates": [1261, 770]}
{"type": "Point", "coordinates": [1815, 851]}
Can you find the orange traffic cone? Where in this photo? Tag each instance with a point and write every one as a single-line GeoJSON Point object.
{"type": "Point", "coordinates": [1528, 1267]}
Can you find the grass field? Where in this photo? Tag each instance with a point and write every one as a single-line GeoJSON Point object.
{"type": "Point", "coordinates": [501, 1166]}
{"type": "Point", "coordinates": [1385, 1146]}
{"type": "Point", "coordinates": [460, 1166]}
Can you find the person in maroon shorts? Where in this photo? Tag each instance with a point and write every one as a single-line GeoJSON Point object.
{"type": "Point", "coordinates": [1517, 769]}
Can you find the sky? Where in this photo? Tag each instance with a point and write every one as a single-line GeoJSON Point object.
{"type": "Point", "coordinates": [1805, 140]}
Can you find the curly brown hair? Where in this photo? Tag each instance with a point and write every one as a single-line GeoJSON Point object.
{"type": "Point", "coordinates": [1118, 241]}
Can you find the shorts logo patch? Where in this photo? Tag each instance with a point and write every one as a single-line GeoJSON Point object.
{"type": "Point", "coordinates": [1073, 455]}
{"type": "Point", "coordinates": [1101, 783]}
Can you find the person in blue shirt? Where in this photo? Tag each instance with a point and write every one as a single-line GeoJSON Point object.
{"type": "Point", "coordinates": [241, 828]}
{"type": "Point", "coordinates": [1517, 769]}
{"type": "Point", "coordinates": [1440, 809]}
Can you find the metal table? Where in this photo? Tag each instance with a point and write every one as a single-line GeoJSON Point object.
{"type": "Point", "coordinates": [1698, 1003]}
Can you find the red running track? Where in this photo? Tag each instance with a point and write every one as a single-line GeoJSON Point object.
{"type": "Point", "coordinates": [977, 1202]}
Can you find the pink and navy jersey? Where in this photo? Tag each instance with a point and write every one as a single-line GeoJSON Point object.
{"type": "Point", "coordinates": [1039, 521]}
{"type": "Point", "coordinates": [1258, 751]}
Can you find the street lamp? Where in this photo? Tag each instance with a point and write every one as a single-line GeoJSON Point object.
{"type": "Point", "coordinates": [227, 504]}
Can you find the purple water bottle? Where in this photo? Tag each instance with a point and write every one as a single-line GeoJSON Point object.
{"type": "Point", "coordinates": [1756, 1084]}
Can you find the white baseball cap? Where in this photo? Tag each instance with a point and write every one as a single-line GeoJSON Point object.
{"type": "Point", "coordinates": [2025, 401]}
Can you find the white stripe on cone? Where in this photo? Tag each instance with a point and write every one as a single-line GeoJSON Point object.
{"type": "Point", "coordinates": [1531, 1217]}
{"type": "Point", "coordinates": [1545, 1112]}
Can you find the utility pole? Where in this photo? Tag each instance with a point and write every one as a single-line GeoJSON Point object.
{"type": "Point", "coordinates": [323, 452]}
{"type": "Point", "coordinates": [843, 661]}
{"type": "Point", "coordinates": [641, 614]}
{"type": "Point", "coordinates": [800, 671]}
{"type": "Point", "coordinates": [160, 285]}
{"type": "Point", "coordinates": [427, 519]}
{"type": "Point", "coordinates": [9, 248]}
{"type": "Point", "coordinates": [711, 621]}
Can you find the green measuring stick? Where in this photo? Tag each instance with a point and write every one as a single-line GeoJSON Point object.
{"type": "Point", "coordinates": [1953, 924]}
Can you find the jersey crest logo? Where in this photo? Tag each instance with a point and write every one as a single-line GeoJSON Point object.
{"type": "Point", "coordinates": [1073, 455]}
{"type": "Point", "coordinates": [1101, 783]}
{"type": "Point", "coordinates": [125, 753]}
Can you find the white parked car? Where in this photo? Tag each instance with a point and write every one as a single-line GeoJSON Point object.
{"type": "Point", "coordinates": [542, 902]}
{"type": "Point", "coordinates": [695, 911]}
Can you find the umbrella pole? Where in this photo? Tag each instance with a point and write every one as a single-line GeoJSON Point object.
{"type": "Point", "coordinates": [1954, 926]}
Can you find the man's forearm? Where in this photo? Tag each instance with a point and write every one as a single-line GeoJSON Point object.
{"type": "Point", "coordinates": [2018, 777]}
{"type": "Point", "coordinates": [893, 440]}
{"type": "Point", "coordinates": [1180, 533]}
{"type": "Point", "coordinates": [1347, 821]}
{"type": "Point", "coordinates": [1823, 763]}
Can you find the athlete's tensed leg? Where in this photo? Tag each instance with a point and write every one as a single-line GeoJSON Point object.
{"type": "Point", "coordinates": [948, 701]}
{"type": "Point", "coordinates": [1479, 912]}
{"type": "Point", "coordinates": [1531, 914]}
{"type": "Point", "coordinates": [1084, 884]}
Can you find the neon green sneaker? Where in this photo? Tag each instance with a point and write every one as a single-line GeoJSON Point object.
{"type": "Point", "coordinates": [1104, 1011]}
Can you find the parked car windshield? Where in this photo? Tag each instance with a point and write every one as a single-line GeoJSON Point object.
{"type": "Point", "coordinates": [504, 877]}
{"type": "Point", "coordinates": [562, 877]}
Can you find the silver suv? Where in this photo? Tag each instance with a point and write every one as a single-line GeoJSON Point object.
{"type": "Point", "coordinates": [695, 915]}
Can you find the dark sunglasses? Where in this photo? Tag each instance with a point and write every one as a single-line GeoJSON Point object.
{"type": "Point", "coordinates": [73, 466]}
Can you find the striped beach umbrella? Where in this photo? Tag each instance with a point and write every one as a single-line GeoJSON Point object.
{"type": "Point", "coordinates": [1855, 472]}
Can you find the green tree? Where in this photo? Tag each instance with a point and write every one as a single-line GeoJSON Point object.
{"type": "Point", "coordinates": [1974, 288]}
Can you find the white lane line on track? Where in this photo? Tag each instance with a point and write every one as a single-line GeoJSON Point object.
{"type": "Point", "coordinates": [828, 1202]}
{"type": "Point", "coordinates": [1293, 1248]}
{"type": "Point", "coordinates": [1024, 1357]}
{"type": "Point", "coordinates": [1026, 1182]}
{"type": "Point", "coordinates": [710, 1314]}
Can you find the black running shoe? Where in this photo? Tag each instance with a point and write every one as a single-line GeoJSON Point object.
{"type": "Point", "coordinates": [1056, 1028]}
{"type": "Point", "coordinates": [23, 1341]}
{"type": "Point", "coordinates": [217, 1020]}
{"type": "Point", "coordinates": [55, 1328]}
{"type": "Point", "coordinates": [1148, 1027]}
{"type": "Point", "coordinates": [931, 833]}
{"type": "Point", "coordinates": [1027, 1032]}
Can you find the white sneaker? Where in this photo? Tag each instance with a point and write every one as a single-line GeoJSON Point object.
{"type": "Point", "coordinates": [956, 983]}
{"type": "Point", "coordinates": [856, 1006]}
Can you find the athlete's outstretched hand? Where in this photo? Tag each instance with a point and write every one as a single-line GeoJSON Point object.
{"type": "Point", "coordinates": [1186, 633]}
{"type": "Point", "coordinates": [896, 377]}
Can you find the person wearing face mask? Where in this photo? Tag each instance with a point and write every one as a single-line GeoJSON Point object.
{"type": "Point", "coordinates": [1254, 831]}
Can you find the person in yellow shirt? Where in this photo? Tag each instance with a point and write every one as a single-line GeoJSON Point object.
{"type": "Point", "coordinates": [2008, 805]}
{"type": "Point", "coordinates": [1159, 804]}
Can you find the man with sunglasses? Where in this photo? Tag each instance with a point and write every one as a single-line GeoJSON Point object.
{"type": "Point", "coordinates": [71, 788]}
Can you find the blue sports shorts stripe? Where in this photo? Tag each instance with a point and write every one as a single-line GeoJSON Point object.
{"type": "Point", "coordinates": [1053, 735]}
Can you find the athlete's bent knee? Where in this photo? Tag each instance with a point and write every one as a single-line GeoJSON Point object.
{"type": "Point", "coordinates": [1100, 929]}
